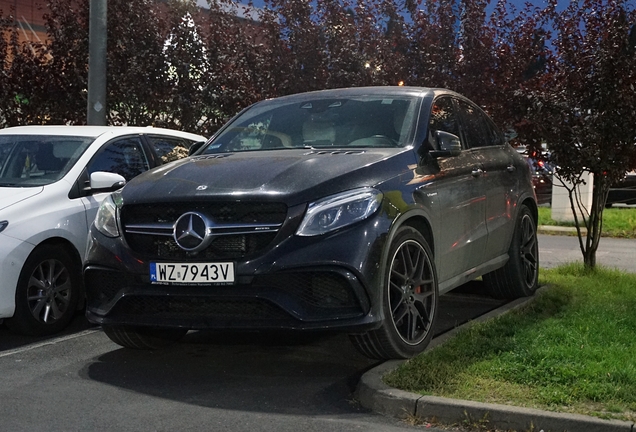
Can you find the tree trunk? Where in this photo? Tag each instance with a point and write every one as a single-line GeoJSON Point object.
{"type": "Point", "coordinates": [589, 218]}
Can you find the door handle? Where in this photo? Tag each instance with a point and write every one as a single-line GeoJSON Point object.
{"type": "Point", "coordinates": [477, 172]}
{"type": "Point", "coordinates": [511, 168]}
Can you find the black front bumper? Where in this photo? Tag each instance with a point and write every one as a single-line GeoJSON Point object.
{"type": "Point", "coordinates": [312, 298]}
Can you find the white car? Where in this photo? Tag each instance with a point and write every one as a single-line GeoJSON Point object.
{"type": "Point", "coordinates": [52, 180]}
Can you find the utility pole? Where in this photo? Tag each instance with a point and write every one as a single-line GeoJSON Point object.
{"type": "Point", "coordinates": [96, 109]}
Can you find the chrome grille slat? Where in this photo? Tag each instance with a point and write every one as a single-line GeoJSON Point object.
{"type": "Point", "coordinates": [220, 230]}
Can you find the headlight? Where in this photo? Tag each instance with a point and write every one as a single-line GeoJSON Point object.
{"type": "Point", "coordinates": [106, 218]}
{"type": "Point", "coordinates": [3, 225]}
{"type": "Point", "coordinates": [339, 210]}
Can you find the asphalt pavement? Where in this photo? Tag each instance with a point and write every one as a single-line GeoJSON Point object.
{"type": "Point", "coordinates": [555, 250]}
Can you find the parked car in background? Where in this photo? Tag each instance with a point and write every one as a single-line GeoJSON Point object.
{"type": "Point", "coordinates": [52, 180]}
{"type": "Point", "coordinates": [541, 178]}
{"type": "Point", "coordinates": [348, 209]}
{"type": "Point", "coordinates": [623, 191]}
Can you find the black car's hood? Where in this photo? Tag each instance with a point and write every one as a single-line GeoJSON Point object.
{"type": "Point", "coordinates": [290, 176]}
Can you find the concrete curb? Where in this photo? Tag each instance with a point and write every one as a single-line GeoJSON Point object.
{"type": "Point", "coordinates": [559, 230]}
{"type": "Point", "coordinates": [374, 394]}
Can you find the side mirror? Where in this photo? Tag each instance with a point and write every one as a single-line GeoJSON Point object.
{"type": "Point", "coordinates": [448, 144]}
{"type": "Point", "coordinates": [194, 147]}
{"type": "Point", "coordinates": [102, 181]}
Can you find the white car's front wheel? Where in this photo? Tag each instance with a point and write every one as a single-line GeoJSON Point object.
{"type": "Point", "coordinates": [47, 293]}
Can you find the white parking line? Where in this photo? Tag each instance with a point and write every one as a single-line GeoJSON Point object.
{"type": "Point", "coordinates": [49, 342]}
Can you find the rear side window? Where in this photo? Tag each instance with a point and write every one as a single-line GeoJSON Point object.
{"type": "Point", "coordinates": [125, 157]}
{"type": "Point", "coordinates": [479, 130]}
{"type": "Point", "coordinates": [169, 149]}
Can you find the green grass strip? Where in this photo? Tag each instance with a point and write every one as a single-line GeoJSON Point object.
{"type": "Point", "coordinates": [573, 349]}
{"type": "Point", "coordinates": [618, 222]}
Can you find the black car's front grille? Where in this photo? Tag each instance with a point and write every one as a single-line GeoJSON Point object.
{"type": "Point", "coordinates": [227, 247]}
{"type": "Point", "coordinates": [220, 212]}
{"type": "Point", "coordinates": [240, 229]}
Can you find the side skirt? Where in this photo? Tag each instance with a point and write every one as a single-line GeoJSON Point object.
{"type": "Point", "coordinates": [473, 273]}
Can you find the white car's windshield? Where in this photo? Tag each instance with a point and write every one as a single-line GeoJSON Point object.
{"type": "Point", "coordinates": [38, 160]}
{"type": "Point", "coordinates": [362, 122]}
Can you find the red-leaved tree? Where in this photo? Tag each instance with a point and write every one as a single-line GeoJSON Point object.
{"type": "Point", "coordinates": [584, 107]}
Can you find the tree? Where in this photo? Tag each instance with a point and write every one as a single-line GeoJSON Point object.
{"type": "Point", "coordinates": [585, 107]}
{"type": "Point", "coordinates": [434, 49]}
{"type": "Point", "coordinates": [65, 74]}
{"type": "Point", "coordinates": [137, 72]}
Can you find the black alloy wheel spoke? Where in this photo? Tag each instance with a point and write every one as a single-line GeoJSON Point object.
{"type": "Point", "coordinates": [413, 324]}
{"type": "Point", "coordinates": [406, 261]}
{"type": "Point", "coordinates": [404, 310]}
{"type": "Point", "coordinates": [399, 275]}
{"type": "Point", "coordinates": [422, 296]}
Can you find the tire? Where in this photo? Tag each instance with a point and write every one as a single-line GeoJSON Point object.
{"type": "Point", "coordinates": [520, 276]}
{"type": "Point", "coordinates": [47, 294]}
{"type": "Point", "coordinates": [409, 301]}
{"type": "Point", "coordinates": [143, 338]}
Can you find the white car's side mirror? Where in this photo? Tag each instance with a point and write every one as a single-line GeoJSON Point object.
{"type": "Point", "coordinates": [102, 181]}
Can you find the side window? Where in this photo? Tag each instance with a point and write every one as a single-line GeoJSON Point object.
{"type": "Point", "coordinates": [169, 149]}
{"type": "Point", "coordinates": [443, 118]}
{"type": "Point", "coordinates": [478, 132]}
{"type": "Point", "coordinates": [497, 137]}
{"type": "Point", "coordinates": [124, 157]}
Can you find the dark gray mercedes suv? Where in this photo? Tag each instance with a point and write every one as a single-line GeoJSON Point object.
{"type": "Point", "coordinates": [348, 209]}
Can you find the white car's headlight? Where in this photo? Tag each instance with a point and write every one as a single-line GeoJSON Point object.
{"type": "Point", "coordinates": [339, 210]}
{"type": "Point", "coordinates": [106, 218]}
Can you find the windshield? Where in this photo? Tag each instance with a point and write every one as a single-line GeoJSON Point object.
{"type": "Point", "coordinates": [38, 160]}
{"type": "Point", "coordinates": [360, 122]}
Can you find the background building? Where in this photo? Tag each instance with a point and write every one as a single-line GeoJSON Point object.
{"type": "Point", "coordinates": [28, 18]}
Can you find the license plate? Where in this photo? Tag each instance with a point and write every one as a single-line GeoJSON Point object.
{"type": "Point", "coordinates": [192, 273]}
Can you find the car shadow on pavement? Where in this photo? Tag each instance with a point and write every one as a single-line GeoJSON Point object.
{"type": "Point", "coordinates": [10, 341]}
{"type": "Point", "coordinates": [248, 372]}
{"type": "Point", "coordinates": [297, 374]}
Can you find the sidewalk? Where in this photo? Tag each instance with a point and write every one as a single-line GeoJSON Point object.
{"type": "Point", "coordinates": [373, 394]}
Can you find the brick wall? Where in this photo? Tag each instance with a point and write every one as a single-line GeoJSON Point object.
{"type": "Point", "coordinates": [28, 16]}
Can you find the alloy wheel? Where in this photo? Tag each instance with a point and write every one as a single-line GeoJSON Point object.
{"type": "Point", "coordinates": [412, 292]}
{"type": "Point", "coordinates": [529, 250]}
{"type": "Point", "coordinates": [49, 291]}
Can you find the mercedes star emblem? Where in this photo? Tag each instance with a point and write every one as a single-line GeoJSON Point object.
{"type": "Point", "coordinates": [191, 232]}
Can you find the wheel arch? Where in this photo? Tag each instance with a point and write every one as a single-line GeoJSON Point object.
{"type": "Point", "coordinates": [68, 246]}
{"type": "Point", "coordinates": [534, 209]}
{"type": "Point", "coordinates": [423, 226]}
{"type": "Point", "coordinates": [418, 220]}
